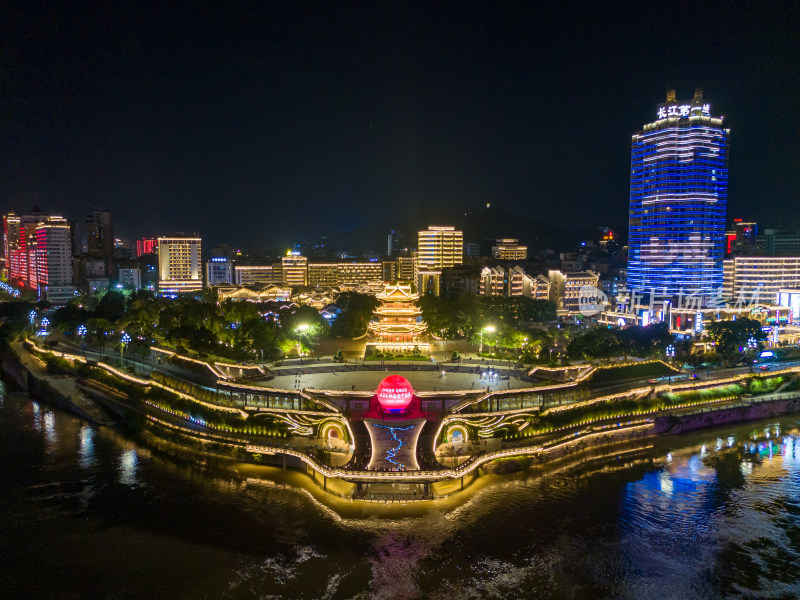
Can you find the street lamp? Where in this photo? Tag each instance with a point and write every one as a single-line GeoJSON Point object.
{"type": "Point", "coordinates": [752, 343]}
{"type": "Point", "coordinates": [487, 329]}
{"type": "Point", "coordinates": [671, 351]}
{"type": "Point", "coordinates": [82, 335]}
{"type": "Point", "coordinates": [126, 339]}
{"type": "Point", "coordinates": [302, 328]}
{"type": "Point", "coordinates": [45, 325]}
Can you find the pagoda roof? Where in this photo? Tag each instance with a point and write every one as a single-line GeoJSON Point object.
{"type": "Point", "coordinates": [398, 292]}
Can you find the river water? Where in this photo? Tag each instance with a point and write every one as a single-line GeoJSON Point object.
{"type": "Point", "coordinates": [89, 512]}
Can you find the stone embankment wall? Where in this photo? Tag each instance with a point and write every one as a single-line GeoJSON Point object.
{"type": "Point", "coordinates": [675, 424]}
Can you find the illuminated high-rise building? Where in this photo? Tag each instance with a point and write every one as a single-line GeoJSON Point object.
{"type": "Point", "coordinates": [53, 252]}
{"type": "Point", "coordinates": [394, 241]}
{"type": "Point", "coordinates": [146, 246]}
{"type": "Point", "coordinates": [678, 201]}
{"type": "Point", "coordinates": [439, 247]}
{"type": "Point", "coordinates": [179, 265]}
{"type": "Point", "coordinates": [19, 244]}
{"type": "Point", "coordinates": [294, 270]}
{"type": "Point", "coordinates": [219, 270]}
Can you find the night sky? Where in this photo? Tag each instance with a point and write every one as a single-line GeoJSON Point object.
{"type": "Point", "coordinates": [271, 122]}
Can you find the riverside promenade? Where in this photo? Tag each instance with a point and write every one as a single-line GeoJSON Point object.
{"type": "Point", "coordinates": [478, 411]}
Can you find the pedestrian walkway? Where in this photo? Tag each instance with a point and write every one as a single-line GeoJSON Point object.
{"type": "Point", "coordinates": [63, 384]}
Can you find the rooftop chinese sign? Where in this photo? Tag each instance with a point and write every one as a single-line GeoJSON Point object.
{"type": "Point", "coordinates": [678, 111]}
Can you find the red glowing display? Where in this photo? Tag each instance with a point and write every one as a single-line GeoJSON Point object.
{"type": "Point", "coordinates": [394, 393]}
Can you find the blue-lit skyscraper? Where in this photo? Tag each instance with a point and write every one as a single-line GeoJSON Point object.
{"type": "Point", "coordinates": [678, 201]}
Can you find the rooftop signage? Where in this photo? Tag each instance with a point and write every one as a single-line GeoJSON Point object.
{"type": "Point", "coordinates": [682, 110]}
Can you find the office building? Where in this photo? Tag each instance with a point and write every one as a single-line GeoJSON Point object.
{"type": "Point", "coordinates": [19, 246]}
{"type": "Point", "coordinates": [249, 275]}
{"type": "Point", "coordinates": [777, 242]}
{"type": "Point", "coordinates": [407, 268]}
{"type": "Point", "coordinates": [678, 200]}
{"type": "Point", "coordinates": [179, 266]}
{"type": "Point", "coordinates": [146, 246]}
{"type": "Point", "coordinates": [389, 270]}
{"type": "Point", "coordinates": [509, 249]}
{"type": "Point", "coordinates": [323, 274]}
{"type": "Point", "coordinates": [472, 250]}
{"type": "Point", "coordinates": [100, 235]}
{"type": "Point", "coordinates": [394, 243]}
{"type": "Point", "coordinates": [38, 250]}
{"type": "Point", "coordinates": [429, 282]}
{"type": "Point", "coordinates": [439, 248]}
{"type": "Point", "coordinates": [219, 270]}
{"type": "Point", "coordinates": [742, 238]}
{"type": "Point", "coordinates": [148, 269]}
{"type": "Point", "coordinates": [130, 277]}
{"type": "Point", "coordinates": [758, 279]}
{"type": "Point", "coordinates": [358, 272]}
{"type": "Point", "coordinates": [294, 270]}
{"type": "Point", "coordinates": [53, 260]}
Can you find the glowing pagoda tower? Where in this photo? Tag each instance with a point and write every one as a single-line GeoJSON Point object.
{"type": "Point", "coordinates": [399, 324]}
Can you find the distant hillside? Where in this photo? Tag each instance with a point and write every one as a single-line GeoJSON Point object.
{"type": "Point", "coordinates": [482, 226]}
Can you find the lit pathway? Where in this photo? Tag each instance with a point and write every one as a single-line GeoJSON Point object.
{"type": "Point", "coordinates": [63, 384]}
{"type": "Point", "coordinates": [425, 381]}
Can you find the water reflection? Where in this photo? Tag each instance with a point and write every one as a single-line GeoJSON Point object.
{"type": "Point", "coordinates": [37, 417]}
{"type": "Point", "coordinates": [128, 464]}
{"type": "Point", "coordinates": [50, 429]}
{"type": "Point", "coordinates": [706, 515]}
{"type": "Point", "coordinates": [86, 456]}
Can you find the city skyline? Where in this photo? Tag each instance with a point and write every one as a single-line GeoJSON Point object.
{"type": "Point", "coordinates": [293, 121]}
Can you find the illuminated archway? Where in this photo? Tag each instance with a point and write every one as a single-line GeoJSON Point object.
{"type": "Point", "coordinates": [456, 432]}
{"type": "Point", "coordinates": [332, 430]}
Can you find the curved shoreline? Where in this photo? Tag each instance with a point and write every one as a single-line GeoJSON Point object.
{"type": "Point", "coordinates": [577, 445]}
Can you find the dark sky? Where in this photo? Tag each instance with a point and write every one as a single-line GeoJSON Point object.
{"type": "Point", "coordinates": [267, 122]}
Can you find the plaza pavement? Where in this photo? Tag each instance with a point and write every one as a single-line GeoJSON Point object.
{"type": "Point", "coordinates": [338, 377]}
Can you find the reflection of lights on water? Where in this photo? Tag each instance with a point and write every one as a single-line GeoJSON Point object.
{"type": "Point", "coordinates": [669, 457]}
{"type": "Point", "coordinates": [746, 467]}
{"type": "Point", "coordinates": [696, 463]}
{"type": "Point", "coordinates": [665, 481]}
{"type": "Point", "coordinates": [703, 450]}
{"type": "Point", "coordinates": [87, 446]}
{"type": "Point", "coordinates": [50, 427]}
{"type": "Point", "coordinates": [128, 462]}
{"type": "Point", "coordinates": [37, 417]}
{"type": "Point", "coordinates": [730, 441]}
{"type": "Point", "coordinates": [789, 447]}
{"type": "Point", "coordinates": [718, 445]}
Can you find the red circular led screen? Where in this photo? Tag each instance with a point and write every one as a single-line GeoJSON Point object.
{"type": "Point", "coordinates": [394, 393]}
